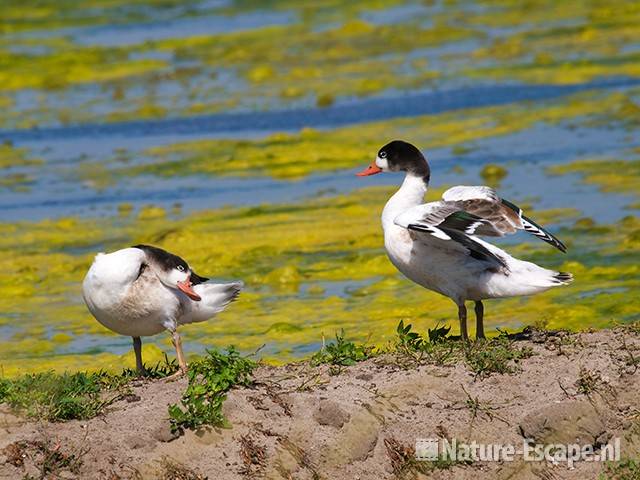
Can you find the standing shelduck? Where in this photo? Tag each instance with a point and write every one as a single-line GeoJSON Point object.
{"type": "Point", "coordinates": [144, 290]}
{"type": "Point", "coordinates": [435, 244]}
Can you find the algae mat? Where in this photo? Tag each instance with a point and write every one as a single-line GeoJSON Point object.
{"type": "Point", "coordinates": [83, 169]}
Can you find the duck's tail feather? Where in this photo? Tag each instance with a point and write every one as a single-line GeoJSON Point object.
{"type": "Point", "coordinates": [214, 298]}
{"type": "Point", "coordinates": [563, 278]}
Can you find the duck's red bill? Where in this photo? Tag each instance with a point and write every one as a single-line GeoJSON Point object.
{"type": "Point", "coordinates": [187, 289]}
{"type": "Point", "coordinates": [370, 170]}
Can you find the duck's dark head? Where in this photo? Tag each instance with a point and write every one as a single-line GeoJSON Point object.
{"type": "Point", "coordinates": [171, 270]}
{"type": "Point", "coordinates": [399, 156]}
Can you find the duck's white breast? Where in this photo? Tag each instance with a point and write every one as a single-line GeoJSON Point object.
{"type": "Point", "coordinates": [123, 304]}
{"type": "Point", "coordinates": [438, 270]}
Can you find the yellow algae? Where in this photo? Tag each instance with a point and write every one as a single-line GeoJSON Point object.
{"type": "Point", "coordinates": [291, 156]}
{"type": "Point", "coordinates": [19, 16]}
{"type": "Point", "coordinates": [151, 212]}
{"type": "Point", "coordinates": [16, 157]}
{"type": "Point", "coordinates": [68, 67]}
{"type": "Point", "coordinates": [260, 73]}
{"type": "Point", "coordinates": [61, 338]}
{"type": "Point", "coordinates": [125, 209]}
{"type": "Point", "coordinates": [16, 181]}
{"type": "Point", "coordinates": [610, 175]}
{"type": "Point", "coordinates": [591, 31]}
{"type": "Point", "coordinates": [326, 52]}
{"type": "Point", "coordinates": [318, 266]}
{"type": "Point", "coordinates": [493, 174]}
{"type": "Point", "coordinates": [564, 72]}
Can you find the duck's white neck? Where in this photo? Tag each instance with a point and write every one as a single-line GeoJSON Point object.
{"type": "Point", "coordinates": [410, 194]}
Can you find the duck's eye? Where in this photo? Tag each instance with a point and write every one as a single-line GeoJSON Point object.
{"type": "Point", "coordinates": [382, 154]}
{"type": "Point", "coordinates": [143, 267]}
{"type": "Point", "coordinates": [180, 268]}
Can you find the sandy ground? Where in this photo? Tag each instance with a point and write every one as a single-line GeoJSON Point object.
{"type": "Point", "coordinates": [302, 422]}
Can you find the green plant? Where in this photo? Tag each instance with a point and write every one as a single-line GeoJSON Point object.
{"type": "Point", "coordinates": [210, 378]}
{"type": "Point", "coordinates": [4, 388]}
{"type": "Point", "coordinates": [162, 369]}
{"type": "Point", "coordinates": [56, 397]}
{"type": "Point", "coordinates": [438, 334]}
{"type": "Point", "coordinates": [67, 396]}
{"type": "Point", "coordinates": [342, 352]}
{"type": "Point", "coordinates": [498, 355]}
{"type": "Point", "coordinates": [438, 349]}
{"type": "Point", "coordinates": [626, 469]}
{"type": "Point", "coordinates": [588, 381]}
{"type": "Point", "coordinates": [409, 340]}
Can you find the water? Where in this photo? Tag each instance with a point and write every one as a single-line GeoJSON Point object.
{"type": "Point", "coordinates": [346, 113]}
{"type": "Point", "coordinates": [337, 285]}
{"type": "Point", "coordinates": [59, 191]}
{"type": "Point", "coordinates": [132, 34]}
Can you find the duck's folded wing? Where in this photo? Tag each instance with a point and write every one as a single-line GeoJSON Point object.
{"type": "Point", "coordinates": [503, 216]}
{"type": "Point", "coordinates": [445, 226]}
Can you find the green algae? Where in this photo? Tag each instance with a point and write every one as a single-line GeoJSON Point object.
{"type": "Point", "coordinates": [70, 66]}
{"type": "Point", "coordinates": [45, 15]}
{"type": "Point", "coordinates": [327, 52]}
{"type": "Point", "coordinates": [553, 42]}
{"type": "Point", "coordinates": [16, 157]}
{"type": "Point", "coordinates": [493, 174]}
{"type": "Point", "coordinates": [285, 251]}
{"type": "Point", "coordinates": [343, 60]}
{"type": "Point", "coordinates": [295, 155]}
{"type": "Point", "coordinates": [317, 267]}
{"type": "Point", "coordinates": [611, 175]}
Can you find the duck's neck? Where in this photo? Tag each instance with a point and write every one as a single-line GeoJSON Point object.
{"type": "Point", "coordinates": [410, 194]}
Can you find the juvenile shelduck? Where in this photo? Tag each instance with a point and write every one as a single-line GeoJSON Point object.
{"type": "Point", "coordinates": [435, 244]}
{"type": "Point", "coordinates": [144, 290]}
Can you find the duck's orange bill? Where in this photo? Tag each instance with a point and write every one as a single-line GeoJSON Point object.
{"type": "Point", "coordinates": [187, 289]}
{"type": "Point", "coordinates": [370, 170]}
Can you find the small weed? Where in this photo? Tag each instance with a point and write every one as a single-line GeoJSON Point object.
{"type": "Point", "coordinates": [56, 397]}
{"type": "Point", "coordinates": [630, 362]}
{"type": "Point", "coordinates": [563, 342]}
{"type": "Point", "coordinates": [409, 340]}
{"type": "Point", "coordinates": [172, 470]}
{"type": "Point", "coordinates": [477, 407]}
{"type": "Point", "coordinates": [404, 462]}
{"type": "Point", "coordinates": [210, 378]}
{"type": "Point", "coordinates": [402, 458]}
{"type": "Point", "coordinates": [438, 349]}
{"type": "Point", "coordinates": [498, 355]}
{"type": "Point", "coordinates": [4, 389]}
{"type": "Point", "coordinates": [627, 469]}
{"type": "Point", "coordinates": [631, 328]}
{"type": "Point", "coordinates": [342, 352]}
{"type": "Point", "coordinates": [160, 370]}
{"type": "Point", "coordinates": [59, 397]}
{"type": "Point", "coordinates": [438, 334]}
{"type": "Point", "coordinates": [588, 381]}
{"type": "Point", "coordinates": [48, 457]}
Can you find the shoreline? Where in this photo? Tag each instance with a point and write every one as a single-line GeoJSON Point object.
{"type": "Point", "coordinates": [362, 421]}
